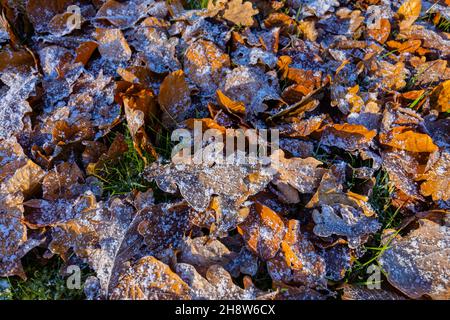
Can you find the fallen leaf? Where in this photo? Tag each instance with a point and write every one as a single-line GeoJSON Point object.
{"type": "Point", "coordinates": [174, 98]}
{"type": "Point", "coordinates": [205, 65]}
{"type": "Point", "coordinates": [150, 279]}
{"type": "Point", "coordinates": [302, 174]}
{"type": "Point", "coordinates": [409, 11]}
{"type": "Point", "coordinates": [437, 183]}
{"type": "Point", "coordinates": [351, 223]}
{"type": "Point", "coordinates": [417, 264]}
{"type": "Point", "coordinates": [297, 261]}
{"type": "Point", "coordinates": [347, 136]}
{"type": "Point", "coordinates": [240, 13]}
{"type": "Point", "coordinates": [404, 138]}
{"type": "Point", "coordinates": [263, 231]}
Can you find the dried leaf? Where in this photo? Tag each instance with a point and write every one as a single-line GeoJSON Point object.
{"type": "Point", "coordinates": [240, 13]}
{"type": "Point", "coordinates": [302, 174]}
{"type": "Point", "coordinates": [263, 230]}
{"type": "Point", "coordinates": [297, 261]}
{"type": "Point", "coordinates": [230, 105]}
{"type": "Point", "coordinates": [14, 101]}
{"type": "Point", "coordinates": [113, 45]}
{"type": "Point", "coordinates": [409, 11]}
{"type": "Point", "coordinates": [251, 86]}
{"type": "Point", "coordinates": [441, 97]}
{"type": "Point", "coordinates": [404, 138]}
{"type": "Point", "coordinates": [174, 98]}
{"type": "Point", "coordinates": [351, 223]}
{"type": "Point", "coordinates": [232, 183]}
{"type": "Point", "coordinates": [352, 292]}
{"type": "Point", "coordinates": [205, 65]}
{"type": "Point", "coordinates": [349, 137]}
{"type": "Point", "coordinates": [150, 279]}
{"type": "Point", "coordinates": [418, 263]}
{"type": "Point", "coordinates": [437, 182]}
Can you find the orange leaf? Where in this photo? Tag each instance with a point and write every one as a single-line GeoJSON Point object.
{"type": "Point", "coordinates": [440, 97]}
{"type": "Point", "coordinates": [229, 104]}
{"type": "Point", "coordinates": [406, 139]}
{"type": "Point", "coordinates": [409, 12]}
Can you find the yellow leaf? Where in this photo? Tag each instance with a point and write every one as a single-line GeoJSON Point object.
{"type": "Point", "coordinates": [406, 139]}
{"type": "Point", "coordinates": [409, 12]}
{"type": "Point", "coordinates": [229, 104]}
{"type": "Point", "coordinates": [240, 13]}
{"type": "Point", "coordinates": [440, 98]}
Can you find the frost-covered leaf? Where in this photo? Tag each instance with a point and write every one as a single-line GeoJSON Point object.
{"type": "Point", "coordinates": [205, 65]}
{"type": "Point", "coordinates": [302, 174]}
{"type": "Point", "coordinates": [113, 45]}
{"type": "Point", "coordinates": [353, 292]}
{"type": "Point", "coordinates": [441, 97]}
{"type": "Point", "coordinates": [174, 98]}
{"type": "Point", "coordinates": [150, 279]}
{"type": "Point", "coordinates": [232, 183]}
{"type": "Point", "coordinates": [216, 285]}
{"type": "Point", "coordinates": [349, 137]}
{"type": "Point", "coordinates": [251, 86]}
{"type": "Point", "coordinates": [406, 139]}
{"type": "Point", "coordinates": [409, 11]}
{"type": "Point", "coordinates": [263, 230]}
{"type": "Point", "coordinates": [350, 223]}
{"type": "Point", "coordinates": [297, 260]}
{"type": "Point", "coordinates": [436, 176]}
{"type": "Point", "coordinates": [418, 263]}
{"type": "Point", "coordinates": [14, 101]}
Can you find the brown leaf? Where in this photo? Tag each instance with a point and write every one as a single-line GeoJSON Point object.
{"type": "Point", "coordinates": [205, 65]}
{"type": "Point", "coordinates": [418, 263]}
{"type": "Point", "coordinates": [440, 97]}
{"type": "Point", "coordinates": [150, 279]}
{"type": "Point", "coordinates": [63, 182]}
{"type": "Point", "coordinates": [347, 136]}
{"type": "Point", "coordinates": [204, 252]}
{"type": "Point", "coordinates": [164, 226]}
{"type": "Point", "coordinates": [262, 231]}
{"type": "Point", "coordinates": [240, 13]}
{"type": "Point", "coordinates": [41, 12]}
{"type": "Point", "coordinates": [85, 51]}
{"type": "Point", "coordinates": [355, 292]}
{"type": "Point", "coordinates": [232, 183]}
{"type": "Point", "coordinates": [402, 168]}
{"type": "Point", "coordinates": [409, 11]}
{"type": "Point", "coordinates": [112, 45]}
{"type": "Point", "coordinates": [302, 174]}
{"type": "Point", "coordinates": [437, 184]}
{"type": "Point", "coordinates": [230, 105]}
{"type": "Point", "coordinates": [174, 98]}
{"type": "Point", "coordinates": [381, 34]}
{"type": "Point", "coordinates": [404, 138]}
{"type": "Point", "coordinates": [297, 261]}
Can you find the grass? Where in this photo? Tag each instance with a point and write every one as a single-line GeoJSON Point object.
{"type": "Point", "coordinates": [197, 4]}
{"type": "Point", "coordinates": [417, 100]}
{"type": "Point", "coordinates": [439, 21]}
{"type": "Point", "coordinates": [125, 174]}
{"type": "Point", "coordinates": [380, 200]}
{"type": "Point", "coordinates": [45, 282]}
{"type": "Point", "coordinates": [388, 216]}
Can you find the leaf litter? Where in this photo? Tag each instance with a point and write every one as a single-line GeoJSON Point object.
{"type": "Point", "coordinates": [355, 89]}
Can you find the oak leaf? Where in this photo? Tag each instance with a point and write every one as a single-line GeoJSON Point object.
{"type": "Point", "coordinates": [240, 13]}
{"type": "Point", "coordinates": [417, 264]}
